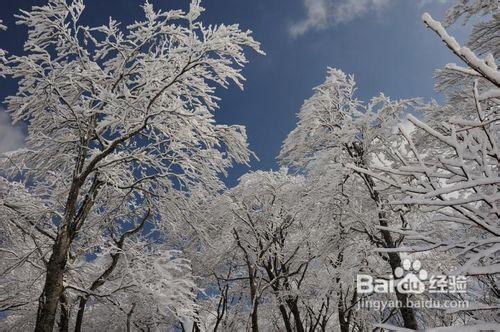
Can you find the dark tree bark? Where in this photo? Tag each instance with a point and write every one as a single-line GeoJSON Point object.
{"type": "Point", "coordinates": [255, 301]}
{"type": "Point", "coordinates": [343, 316]}
{"type": "Point", "coordinates": [276, 288]}
{"type": "Point", "coordinates": [223, 301]}
{"type": "Point", "coordinates": [254, 296]}
{"type": "Point", "coordinates": [53, 288]}
{"type": "Point", "coordinates": [407, 313]}
{"type": "Point", "coordinates": [65, 314]}
{"type": "Point", "coordinates": [71, 223]}
{"type": "Point", "coordinates": [286, 318]}
{"type": "Point", "coordinates": [294, 308]}
{"type": "Point", "coordinates": [96, 284]}
{"type": "Point", "coordinates": [343, 322]}
{"type": "Point", "coordinates": [129, 317]}
{"type": "Point", "coordinates": [115, 257]}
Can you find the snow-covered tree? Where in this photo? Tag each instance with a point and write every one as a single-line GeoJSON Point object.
{"type": "Point", "coordinates": [272, 245]}
{"type": "Point", "coordinates": [457, 175]}
{"type": "Point", "coordinates": [336, 129]}
{"type": "Point", "coordinates": [286, 255]}
{"type": "Point", "coordinates": [114, 213]}
{"type": "Point", "coordinates": [119, 124]}
{"type": "Point", "coordinates": [2, 52]}
{"type": "Point", "coordinates": [256, 217]}
{"type": "Point", "coordinates": [449, 165]}
{"type": "Point", "coordinates": [480, 40]}
{"type": "Point", "coordinates": [149, 287]}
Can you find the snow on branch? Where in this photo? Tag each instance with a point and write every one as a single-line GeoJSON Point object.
{"type": "Point", "coordinates": [463, 53]}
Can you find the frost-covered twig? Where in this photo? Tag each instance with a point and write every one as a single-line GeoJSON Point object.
{"type": "Point", "coordinates": [463, 53]}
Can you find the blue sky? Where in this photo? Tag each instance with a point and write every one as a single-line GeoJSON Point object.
{"type": "Point", "coordinates": [382, 42]}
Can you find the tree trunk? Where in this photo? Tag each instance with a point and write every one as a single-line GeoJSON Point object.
{"type": "Point", "coordinates": [343, 321]}
{"type": "Point", "coordinates": [276, 288]}
{"type": "Point", "coordinates": [53, 288]}
{"type": "Point", "coordinates": [79, 315]}
{"type": "Point", "coordinates": [255, 304]}
{"type": "Point", "coordinates": [394, 259]}
{"type": "Point", "coordinates": [345, 313]}
{"type": "Point", "coordinates": [286, 319]}
{"type": "Point", "coordinates": [294, 308]}
{"type": "Point", "coordinates": [129, 317]}
{"type": "Point", "coordinates": [344, 324]}
{"type": "Point", "coordinates": [102, 278]}
{"type": "Point", "coordinates": [65, 314]}
{"type": "Point", "coordinates": [253, 285]}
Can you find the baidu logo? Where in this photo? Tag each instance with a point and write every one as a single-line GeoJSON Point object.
{"type": "Point", "coordinates": [411, 278]}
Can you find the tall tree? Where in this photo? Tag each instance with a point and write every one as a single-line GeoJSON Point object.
{"type": "Point", "coordinates": [450, 163]}
{"type": "Point", "coordinates": [335, 126]}
{"type": "Point", "coordinates": [121, 114]}
{"type": "Point", "coordinates": [286, 238]}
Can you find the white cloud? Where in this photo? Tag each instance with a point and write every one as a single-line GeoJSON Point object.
{"type": "Point", "coordinates": [11, 137]}
{"type": "Point", "coordinates": [324, 13]}
{"type": "Point", "coordinates": [321, 14]}
{"type": "Point", "coordinates": [423, 3]}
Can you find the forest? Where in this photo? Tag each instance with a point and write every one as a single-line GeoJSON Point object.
{"type": "Point", "coordinates": [383, 214]}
